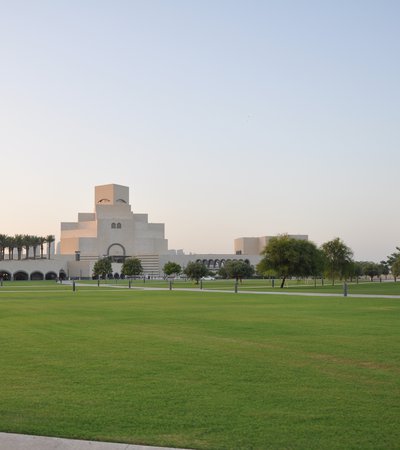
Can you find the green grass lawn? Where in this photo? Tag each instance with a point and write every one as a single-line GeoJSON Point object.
{"type": "Point", "coordinates": [200, 370]}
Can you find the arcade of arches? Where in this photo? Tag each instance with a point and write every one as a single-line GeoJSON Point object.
{"type": "Point", "coordinates": [21, 275]}
{"type": "Point", "coordinates": [218, 263]}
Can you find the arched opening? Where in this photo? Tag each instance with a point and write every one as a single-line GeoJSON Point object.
{"type": "Point", "coordinates": [21, 276]}
{"type": "Point", "coordinates": [117, 253]}
{"type": "Point", "coordinates": [118, 225]}
{"type": "Point", "coordinates": [211, 264]}
{"type": "Point", "coordinates": [62, 275]}
{"type": "Point", "coordinates": [4, 275]}
{"type": "Point", "coordinates": [116, 276]}
{"type": "Point", "coordinates": [51, 276]}
{"type": "Point", "coordinates": [37, 276]}
{"type": "Point", "coordinates": [216, 264]}
{"type": "Point", "coordinates": [113, 225]}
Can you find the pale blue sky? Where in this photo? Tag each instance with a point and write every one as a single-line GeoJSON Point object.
{"type": "Point", "coordinates": [225, 118]}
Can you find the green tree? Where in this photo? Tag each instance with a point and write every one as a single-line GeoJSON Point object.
{"type": "Point", "coordinates": [19, 244]}
{"type": "Point", "coordinates": [356, 270]}
{"type": "Point", "coordinates": [384, 268]}
{"type": "Point", "coordinates": [371, 269]}
{"type": "Point", "coordinates": [289, 257]}
{"type": "Point", "coordinates": [42, 241]}
{"type": "Point", "coordinates": [28, 243]}
{"type": "Point", "coordinates": [238, 270]}
{"type": "Point", "coordinates": [395, 268]}
{"type": "Point", "coordinates": [393, 257]}
{"type": "Point", "coordinates": [3, 246]}
{"type": "Point", "coordinates": [49, 239]}
{"type": "Point", "coordinates": [338, 257]}
{"type": "Point", "coordinates": [171, 268]}
{"type": "Point", "coordinates": [11, 244]}
{"type": "Point", "coordinates": [35, 242]}
{"type": "Point", "coordinates": [222, 272]}
{"type": "Point", "coordinates": [102, 268]}
{"type": "Point", "coordinates": [195, 270]}
{"type": "Point", "coordinates": [132, 267]}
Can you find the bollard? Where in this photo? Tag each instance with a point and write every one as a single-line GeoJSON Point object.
{"type": "Point", "coordinates": [170, 285]}
{"type": "Point", "coordinates": [98, 282]}
{"type": "Point", "coordinates": [1, 282]}
{"type": "Point", "coordinates": [315, 282]}
{"type": "Point", "coordinates": [273, 282]}
{"type": "Point", "coordinates": [201, 284]}
{"type": "Point", "coordinates": [73, 286]}
{"type": "Point", "coordinates": [344, 289]}
{"type": "Point", "coordinates": [129, 284]}
{"type": "Point", "coordinates": [322, 281]}
{"type": "Point", "coordinates": [236, 287]}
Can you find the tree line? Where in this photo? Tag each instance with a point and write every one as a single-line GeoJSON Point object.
{"type": "Point", "coordinates": [283, 257]}
{"type": "Point", "coordinates": [286, 257]}
{"type": "Point", "coordinates": [103, 268]}
{"type": "Point", "coordinates": [21, 242]}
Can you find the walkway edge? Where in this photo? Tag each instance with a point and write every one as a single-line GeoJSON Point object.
{"type": "Point", "coordinates": [12, 441]}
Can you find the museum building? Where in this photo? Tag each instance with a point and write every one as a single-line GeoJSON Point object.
{"type": "Point", "coordinates": [114, 230]}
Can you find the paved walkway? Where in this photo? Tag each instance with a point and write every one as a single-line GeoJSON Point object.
{"type": "Point", "coordinates": [240, 291]}
{"type": "Point", "coordinates": [11, 441]}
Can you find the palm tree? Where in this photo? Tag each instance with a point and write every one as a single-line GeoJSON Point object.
{"type": "Point", "coordinates": [10, 244]}
{"type": "Point", "coordinates": [35, 243]}
{"type": "Point", "coordinates": [19, 241]}
{"type": "Point", "coordinates": [3, 245]}
{"type": "Point", "coordinates": [27, 244]}
{"type": "Point", "coordinates": [338, 257]}
{"type": "Point", "coordinates": [42, 240]}
{"type": "Point", "coordinates": [49, 239]}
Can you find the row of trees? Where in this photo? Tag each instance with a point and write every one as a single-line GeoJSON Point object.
{"type": "Point", "coordinates": [285, 257]}
{"type": "Point", "coordinates": [21, 242]}
{"type": "Point", "coordinates": [197, 270]}
{"type": "Point", "coordinates": [194, 270]}
{"type": "Point", "coordinates": [103, 268]}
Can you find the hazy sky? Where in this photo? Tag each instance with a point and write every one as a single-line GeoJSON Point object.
{"type": "Point", "coordinates": [225, 118]}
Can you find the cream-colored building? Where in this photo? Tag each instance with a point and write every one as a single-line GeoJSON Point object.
{"type": "Point", "coordinates": [112, 230]}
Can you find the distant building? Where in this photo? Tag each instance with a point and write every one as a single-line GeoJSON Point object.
{"type": "Point", "coordinates": [255, 245]}
{"type": "Point", "coordinates": [113, 230]}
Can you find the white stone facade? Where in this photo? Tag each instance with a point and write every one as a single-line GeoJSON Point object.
{"type": "Point", "coordinates": [112, 230]}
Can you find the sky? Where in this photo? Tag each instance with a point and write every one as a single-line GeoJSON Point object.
{"type": "Point", "coordinates": [225, 118]}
